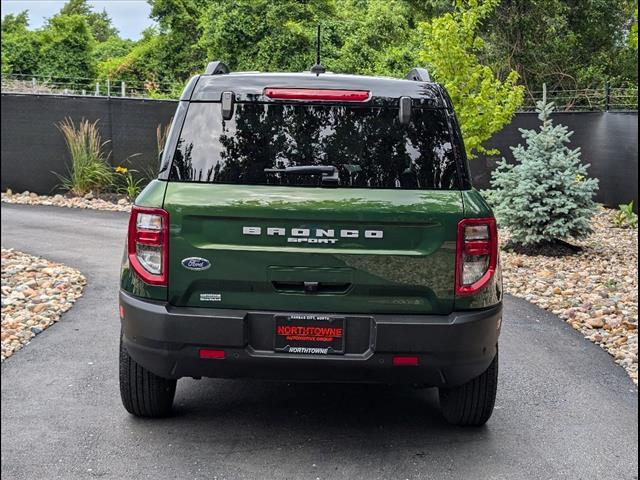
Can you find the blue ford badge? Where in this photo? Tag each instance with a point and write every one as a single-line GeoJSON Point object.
{"type": "Point", "coordinates": [196, 263]}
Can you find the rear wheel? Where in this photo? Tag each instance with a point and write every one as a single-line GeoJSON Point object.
{"type": "Point", "coordinates": [471, 404]}
{"type": "Point", "coordinates": [143, 393]}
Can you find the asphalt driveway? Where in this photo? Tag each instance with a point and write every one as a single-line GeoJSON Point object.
{"type": "Point", "coordinates": [564, 409]}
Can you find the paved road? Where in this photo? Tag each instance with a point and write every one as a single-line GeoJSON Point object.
{"type": "Point", "coordinates": [564, 409]}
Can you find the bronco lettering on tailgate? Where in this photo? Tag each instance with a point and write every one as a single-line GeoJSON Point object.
{"type": "Point", "coordinates": [316, 235]}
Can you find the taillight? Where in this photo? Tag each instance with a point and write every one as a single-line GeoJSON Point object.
{"type": "Point", "coordinates": [317, 94]}
{"type": "Point", "coordinates": [148, 244]}
{"type": "Point", "coordinates": [476, 254]}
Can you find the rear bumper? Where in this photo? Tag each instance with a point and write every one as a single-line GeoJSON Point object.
{"type": "Point", "coordinates": [451, 349]}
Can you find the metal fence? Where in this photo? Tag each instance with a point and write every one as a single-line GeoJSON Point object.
{"type": "Point", "coordinates": [604, 99]}
{"type": "Point", "coordinates": [106, 87]}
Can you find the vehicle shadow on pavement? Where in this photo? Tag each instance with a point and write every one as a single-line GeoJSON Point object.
{"type": "Point", "coordinates": [295, 413]}
{"type": "Point", "coordinates": [256, 429]}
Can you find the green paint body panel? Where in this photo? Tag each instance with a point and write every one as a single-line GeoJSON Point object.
{"type": "Point", "coordinates": [409, 270]}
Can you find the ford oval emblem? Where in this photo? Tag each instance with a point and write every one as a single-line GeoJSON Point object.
{"type": "Point", "coordinates": [196, 263]}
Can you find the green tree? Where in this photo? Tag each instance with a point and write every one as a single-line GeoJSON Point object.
{"type": "Point", "coordinates": [99, 22]}
{"type": "Point", "coordinates": [546, 195]}
{"type": "Point", "coordinates": [633, 34]}
{"type": "Point", "coordinates": [566, 44]}
{"type": "Point", "coordinates": [179, 53]}
{"type": "Point", "coordinates": [264, 35]}
{"type": "Point", "coordinates": [140, 67]}
{"type": "Point", "coordinates": [380, 39]}
{"type": "Point", "coordinates": [67, 44]}
{"type": "Point", "coordinates": [166, 56]}
{"type": "Point", "coordinates": [451, 49]}
{"type": "Point", "coordinates": [20, 46]}
{"type": "Point", "coordinates": [113, 47]}
{"type": "Point", "coordinates": [15, 23]}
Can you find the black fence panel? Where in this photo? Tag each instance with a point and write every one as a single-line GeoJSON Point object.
{"type": "Point", "coordinates": [608, 141]}
{"type": "Point", "coordinates": [32, 147]}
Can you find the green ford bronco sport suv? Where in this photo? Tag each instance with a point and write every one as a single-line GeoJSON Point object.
{"type": "Point", "coordinates": [312, 227]}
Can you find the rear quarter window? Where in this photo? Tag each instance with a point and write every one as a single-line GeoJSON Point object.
{"type": "Point", "coordinates": [368, 146]}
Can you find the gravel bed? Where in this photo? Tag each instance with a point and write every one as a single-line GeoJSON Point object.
{"type": "Point", "coordinates": [89, 201]}
{"type": "Point", "coordinates": [594, 290]}
{"type": "Point", "coordinates": [35, 293]}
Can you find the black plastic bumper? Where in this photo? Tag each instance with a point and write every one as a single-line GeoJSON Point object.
{"type": "Point", "coordinates": [451, 349]}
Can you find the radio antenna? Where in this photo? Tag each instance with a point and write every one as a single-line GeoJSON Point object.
{"type": "Point", "coordinates": [318, 68]}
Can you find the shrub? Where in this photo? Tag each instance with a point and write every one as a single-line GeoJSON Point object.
{"type": "Point", "coordinates": [89, 169]}
{"type": "Point", "coordinates": [546, 196]}
{"type": "Point", "coordinates": [624, 217]}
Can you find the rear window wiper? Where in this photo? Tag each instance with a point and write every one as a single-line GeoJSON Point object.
{"type": "Point", "coordinates": [329, 172]}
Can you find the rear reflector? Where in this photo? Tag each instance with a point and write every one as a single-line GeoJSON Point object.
{"type": "Point", "coordinates": [317, 94]}
{"type": "Point", "coordinates": [399, 360]}
{"type": "Point", "coordinates": [208, 353]}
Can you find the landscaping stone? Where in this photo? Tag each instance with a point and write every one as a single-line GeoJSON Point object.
{"type": "Point", "coordinates": [594, 290]}
{"type": "Point", "coordinates": [35, 293]}
{"type": "Point", "coordinates": [91, 201]}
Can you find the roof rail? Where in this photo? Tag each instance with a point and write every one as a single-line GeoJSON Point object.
{"type": "Point", "coordinates": [216, 68]}
{"type": "Point", "coordinates": [419, 75]}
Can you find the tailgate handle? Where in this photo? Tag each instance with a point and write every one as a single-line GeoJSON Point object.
{"type": "Point", "coordinates": [311, 287]}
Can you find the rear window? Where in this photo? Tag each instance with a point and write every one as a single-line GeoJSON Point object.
{"type": "Point", "coordinates": [368, 146]}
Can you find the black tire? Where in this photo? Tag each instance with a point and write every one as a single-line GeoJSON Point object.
{"type": "Point", "coordinates": [144, 394]}
{"type": "Point", "coordinates": [471, 404]}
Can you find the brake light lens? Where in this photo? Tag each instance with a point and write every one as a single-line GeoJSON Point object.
{"type": "Point", "coordinates": [476, 254]}
{"type": "Point", "coordinates": [148, 244]}
{"type": "Point", "coordinates": [317, 94]}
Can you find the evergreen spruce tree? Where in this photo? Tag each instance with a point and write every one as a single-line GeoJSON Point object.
{"type": "Point", "coordinates": [546, 195]}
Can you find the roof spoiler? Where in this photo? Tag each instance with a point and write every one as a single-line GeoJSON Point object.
{"type": "Point", "coordinates": [419, 75]}
{"type": "Point", "coordinates": [216, 68]}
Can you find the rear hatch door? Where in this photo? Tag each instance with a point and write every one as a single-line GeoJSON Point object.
{"type": "Point", "coordinates": [379, 240]}
{"type": "Point", "coordinates": [313, 249]}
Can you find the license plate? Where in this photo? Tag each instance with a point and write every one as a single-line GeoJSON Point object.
{"type": "Point", "coordinates": [309, 334]}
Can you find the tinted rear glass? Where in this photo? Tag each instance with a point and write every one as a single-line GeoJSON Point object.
{"type": "Point", "coordinates": [368, 146]}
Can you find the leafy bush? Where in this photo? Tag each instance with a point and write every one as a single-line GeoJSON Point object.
{"type": "Point", "coordinates": [66, 49]}
{"type": "Point", "coordinates": [89, 169]}
{"type": "Point", "coordinates": [624, 217]}
{"type": "Point", "coordinates": [20, 46]}
{"type": "Point", "coordinates": [452, 49]}
{"type": "Point", "coordinates": [633, 34]}
{"type": "Point", "coordinates": [546, 195]}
